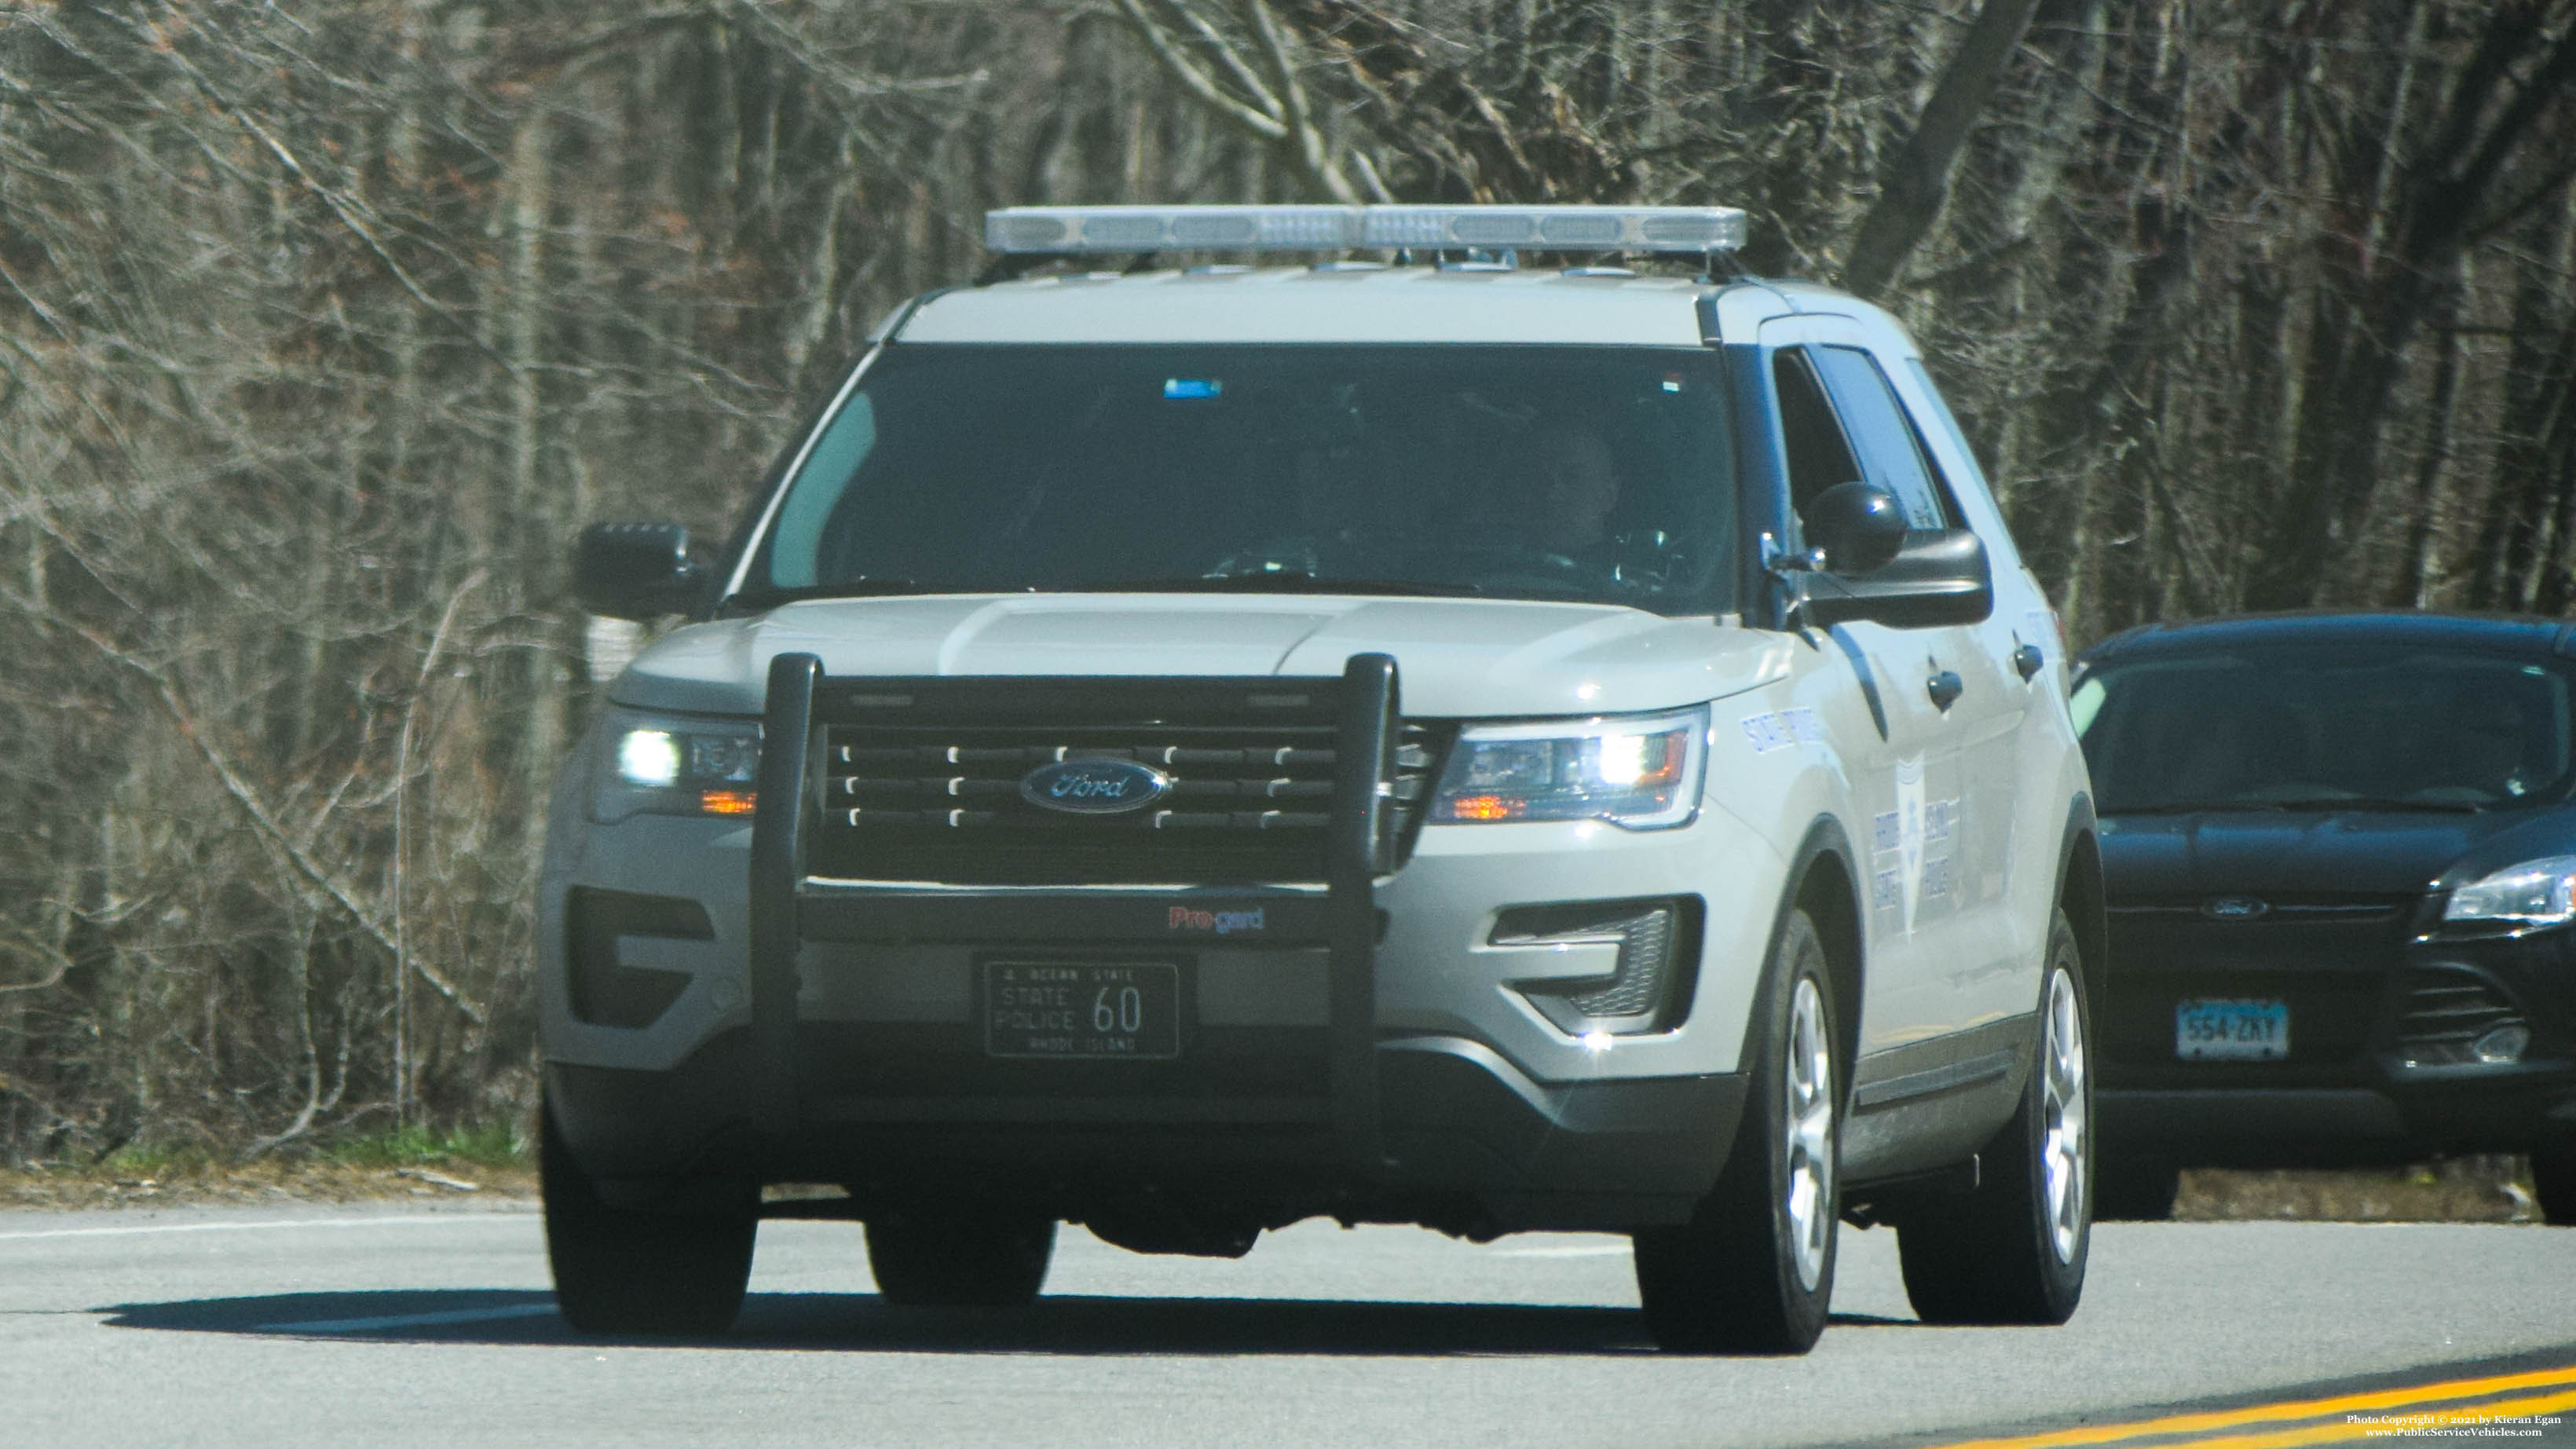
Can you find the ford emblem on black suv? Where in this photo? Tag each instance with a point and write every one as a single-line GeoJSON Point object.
{"type": "Point", "coordinates": [1094, 787]}
{"type": "Point", "coordinates": [2233, 908]}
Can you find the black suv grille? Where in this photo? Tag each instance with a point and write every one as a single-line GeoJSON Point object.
{"type": "Point", "coordinates": [1248, 803]}
{"type": "Point", "coordinates": [2274, 910]}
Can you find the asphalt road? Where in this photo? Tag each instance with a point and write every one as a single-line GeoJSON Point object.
{"type": "Point", "coordinates": [331, 1324]}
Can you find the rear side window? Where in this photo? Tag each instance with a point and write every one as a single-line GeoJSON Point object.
{"type": "Point", "coordinates": [1891, 456]}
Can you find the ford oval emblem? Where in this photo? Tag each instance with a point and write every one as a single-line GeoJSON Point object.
{"type": "Point", "coordinates": [2233, 908]}
{"type": "Point", "coordinates": [1094, 787]}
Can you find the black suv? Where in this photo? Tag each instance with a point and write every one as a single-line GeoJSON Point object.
{"type": "Point", "coordinates": [2340, 853]}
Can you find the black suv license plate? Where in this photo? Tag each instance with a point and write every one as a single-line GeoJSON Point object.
{"type": "Point", "coordinates": [1082, 1009]}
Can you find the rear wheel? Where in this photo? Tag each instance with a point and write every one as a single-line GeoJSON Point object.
{"type": "Point", "coordinates": [960, 1259]}
{"type": "Point", "coordinates": [2553, 1180]}
{"type": "Point", "coordinates": [621, 1271]}
{"type": "Point", "coordinates": [1753, 1270]}
{"type": "Point", "coordinates": [2013, 1250]}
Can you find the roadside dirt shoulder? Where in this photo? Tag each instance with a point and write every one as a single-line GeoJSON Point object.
{"type": "Point", "coordinates": [75, 1190]}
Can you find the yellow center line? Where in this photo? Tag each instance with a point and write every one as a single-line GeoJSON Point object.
{"type": "Point", "coordinates": [2384, 1426]}
{"type": "Point", "coordinates": [2277, 1413]}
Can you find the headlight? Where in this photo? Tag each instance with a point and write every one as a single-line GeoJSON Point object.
{"type": "Point", "coordinates": [1637, 771]}
{"type": "Point", "coordinates": [676, 767]}
{"type": "Point", "coordinates": [2533, 894]}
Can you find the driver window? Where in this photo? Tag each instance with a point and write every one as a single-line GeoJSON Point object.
{"type": "Point", "coordinates": [1887, 443]}
{"type": "Point", "coordinates": [1819, 458]}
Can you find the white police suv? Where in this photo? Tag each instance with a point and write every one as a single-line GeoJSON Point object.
{"type": "Point", "coordinates": [1428, 740]}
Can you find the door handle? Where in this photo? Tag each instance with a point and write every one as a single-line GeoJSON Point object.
{"type": "Point", "coordinates": [1945, 688]}
{"type": "Point", "coordinates": [2028, 660]}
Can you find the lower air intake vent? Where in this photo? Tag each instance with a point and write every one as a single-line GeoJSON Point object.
{"type": "Point", "coordinates": [606, 992]}
{"type": "Point", "coordinates": [1645, 991]}
{"type": "Point", "coordinates": [2453, 1018]}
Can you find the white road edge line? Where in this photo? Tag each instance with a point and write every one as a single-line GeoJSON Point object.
{"type": "Point", "coordinates": [403, 1220]}
{"type": "Point", "coordinates": [411, 1320]}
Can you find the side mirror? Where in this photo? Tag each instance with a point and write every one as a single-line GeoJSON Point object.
{"type": "Point", "coordinates": [635, 570]}
{"type": "Point", "coordinates": [1938, 576]}
{"type": "Point", "coordinates": [1856, 527]}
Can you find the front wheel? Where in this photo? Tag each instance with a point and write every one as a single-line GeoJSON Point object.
{"type": "Point", "coordinates": [963, 1259]}
{"type": "Point", "coordinates": [623, 1271]}
{"type": "Point", "coordinates": [1753, 1270]}
{"type": "Point", "coordinates": [2013, 1250]}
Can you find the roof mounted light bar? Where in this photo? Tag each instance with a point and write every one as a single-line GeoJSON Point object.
{"type": "Point", "coordinates": [1081, 230]}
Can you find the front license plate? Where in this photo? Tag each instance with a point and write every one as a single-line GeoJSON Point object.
{"type": "Point", "coordinates": [2221, 1029]}
{"type": "Point", "coordinates": [1087, 1009]}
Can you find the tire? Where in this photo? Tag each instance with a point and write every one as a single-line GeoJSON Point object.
{"type": "Point", "coordinates": [2014, 1249]}
{"type": "Point", "coordinates": [1753, 1270]}
{"type": "Point", "coordinates": [620, 1271]}
{"type": "Point", "coordinates": [2553, 1180]}
{"type": "Point", "coordinates": [937, 1259]}
{"type": "Point", "coordinates": [2135, 1190]}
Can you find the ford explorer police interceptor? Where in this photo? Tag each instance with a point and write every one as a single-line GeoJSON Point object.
{"type": "Point", "coordinates": [1390, 734]}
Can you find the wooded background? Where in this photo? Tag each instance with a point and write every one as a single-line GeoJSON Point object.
{"type": "Point", "coordinates": [323, 324]}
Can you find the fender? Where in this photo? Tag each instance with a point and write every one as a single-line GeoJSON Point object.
{"type": "Point", "coordinates": [1838, 916]}
{"type": "Point", "coordinates": [2080, 892]}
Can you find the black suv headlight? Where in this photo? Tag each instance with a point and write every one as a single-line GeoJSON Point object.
{"type": "Point", "coordinates": [2531, 896]}
{"type": "Point", "coordinates": [670, 766]}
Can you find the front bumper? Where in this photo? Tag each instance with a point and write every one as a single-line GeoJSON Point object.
{"type": "Point", "coordinates": [2381, 1013]}
{"type": "Point", "coordinates": [1317, 1073]}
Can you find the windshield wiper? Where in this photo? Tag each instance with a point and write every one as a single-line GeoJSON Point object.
{"type": "Point", "coordinates": [1274, 582]}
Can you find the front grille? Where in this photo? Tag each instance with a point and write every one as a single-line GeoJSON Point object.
{"type": "Point", "coordinates": [2442, 1013]}
{"type": "Point", "coordinates": [1249, 803]}
{"type": "Point", "coordinates": [2311, 909]}
{"type": "Point", "coordinates": [2326, 956]}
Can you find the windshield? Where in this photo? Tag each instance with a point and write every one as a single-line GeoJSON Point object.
{"type": "Point", "coordinates": [1590, 473]}
{"type": "Point", "coordinates": [2304, 728]}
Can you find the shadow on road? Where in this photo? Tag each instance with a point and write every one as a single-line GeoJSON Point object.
{"type": "Point", "coordinates": [863, 1323]}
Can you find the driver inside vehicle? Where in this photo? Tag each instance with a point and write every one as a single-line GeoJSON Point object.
{"type": "Point", "coordinates": [1573, 486]}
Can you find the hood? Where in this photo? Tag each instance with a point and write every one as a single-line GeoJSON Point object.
{"type": "Point", "coordinates": [1455, 658]}
{"type": "Point", "coordinates": [2315, 852]}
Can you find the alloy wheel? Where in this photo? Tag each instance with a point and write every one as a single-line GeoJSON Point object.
{"type": "Point", "coordinates": [1808, 1126]}
{"type": "Point", "coordinates": [2063, 1100]}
